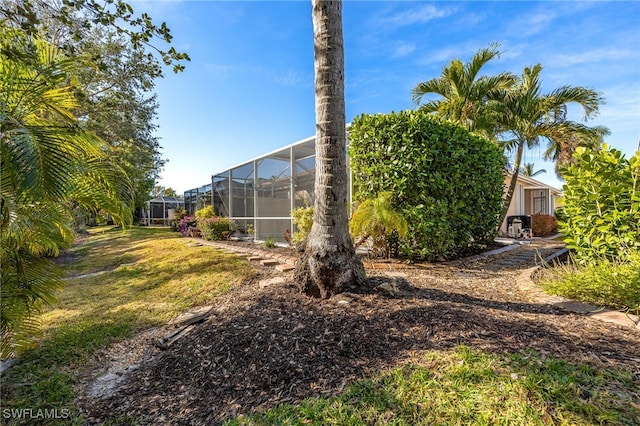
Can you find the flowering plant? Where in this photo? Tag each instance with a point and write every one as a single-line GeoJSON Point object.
{"type": "Point", "coordinates": [185, 223]}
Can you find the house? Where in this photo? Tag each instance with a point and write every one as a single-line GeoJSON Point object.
{"type": "Point", "coordinates": [530, 197]}
{"type": "Point", "coordinates": [260, 193]}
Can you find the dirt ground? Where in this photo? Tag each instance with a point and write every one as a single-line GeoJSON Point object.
{"type": "Point", "coordinates": [265, 343]}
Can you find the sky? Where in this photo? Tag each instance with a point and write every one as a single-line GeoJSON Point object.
{"type": "Point", "coordinates": [248, 88]}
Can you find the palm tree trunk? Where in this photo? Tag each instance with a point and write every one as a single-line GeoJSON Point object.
{"type": "Point", "coordinates": [512, 184]}
{"type": "Point", "coordinates": [329, 264]}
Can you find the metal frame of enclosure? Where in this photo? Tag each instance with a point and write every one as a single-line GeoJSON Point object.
{"type": "Point", "coordinates": [197, 198]}
{"type": "Point", "coordinates": [161, 210]}
{"type": "Point", "coordinates": [261, 193]}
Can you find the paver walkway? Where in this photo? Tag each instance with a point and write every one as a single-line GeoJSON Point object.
{"type": "Point", "coordinates": [514, 257]}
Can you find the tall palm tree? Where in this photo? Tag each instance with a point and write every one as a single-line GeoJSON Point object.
{"type": "Point", "coordinates": [465, 95]}
{"type": "Point", "coordinates": [528, 170]}
{"type": "Point", "coordinates": [528, 116]}
{"type": "Point", "coordinates": [329, 264]}
{"type": "Point", "coordinates": [49, 167]}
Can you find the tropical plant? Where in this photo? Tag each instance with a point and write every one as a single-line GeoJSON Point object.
{"type": "Point", "coordinates": [378, 219]}
{"type": "Point", "coordinates": [528, 116]}
{"type": "Point", "coordinates": [528, 170]}
{"type": "Point", "coordinates": [465, 94]}
{"type": "Point", "coordinates": [329, 263]}
{"type": "Point", "coordinates": [601, 204]}
{"type": "Point", "coordinates": [303, 219]}
{"type": "Point", "coordinates": [446, 181]}
{"type": "Point", "coordinates": [50, 169]}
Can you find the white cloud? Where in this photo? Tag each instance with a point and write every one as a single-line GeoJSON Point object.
{"type": "Point", "coordinates": [219, 70]}
{"type": "Point", "coordinates": [275, 75]}
{"type": "Point", "coordinates": [531, 24]}
{"type": "Point", "coordinates": [416, 15]}
{"type": "Point", "coordinates": [403, 49]}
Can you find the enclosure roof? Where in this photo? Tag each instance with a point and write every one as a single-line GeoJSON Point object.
{"type": "Point", "coordinates": [165, 200]}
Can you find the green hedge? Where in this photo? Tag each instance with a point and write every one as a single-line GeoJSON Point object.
{"type": "Point", "coordinates": [447, 182]}
{"type": "Point", "coordinates": [601, 218]}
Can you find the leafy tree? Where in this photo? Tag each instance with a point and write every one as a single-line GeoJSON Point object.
{"type": "Point", "coordinates": [377, 218]}
{"type": "Point", "coordinates": [161, 191]}
{"type": "Point", "coordinates": [116, 79]}
{"type": "Point", "coordinates": [50, 167]}
{"type": "Point", "coordinates": [118, 105]}
{"type": "Point", "coordinates": [465, 94]}
{"type": "Point", "coordinates": [601, 204]}
{"type": "Point", "coordinates": [329, 263]}
{"type": "Point", "coordinates": [528, 116]}
{"type": "Point", "coordinates": [74, 19]}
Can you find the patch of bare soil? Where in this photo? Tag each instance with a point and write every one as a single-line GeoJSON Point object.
{"type": "Point", "coordinates": [266, 344]}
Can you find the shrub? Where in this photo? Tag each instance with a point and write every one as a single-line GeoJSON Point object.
{"type": "Point", "coordinates": [185, 223]}
{"type": "Point", "coordinates": [216, 228]}
{"type": "Point", "coordinates": [612, 284]}
{"type": "Point", "coordinates": [205, 212]}
{"type": "Point", "coordinates": [447, 182]}
{"type": "Point", "coordinates": [602, 205]}
{"type": "Point", "coordinates": [270, 243]}
{"type": "Point", "coordinates": [543, 225]}
{"type": "Point", "coordinates": [303, 219]}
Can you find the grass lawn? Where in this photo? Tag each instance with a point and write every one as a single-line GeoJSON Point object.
{"type": "Point", "coordinates": [129, 281]}
{"type": "Point", "coordinates": [469, 387]}
{"type": "Point", "coordinates": [152, 275]}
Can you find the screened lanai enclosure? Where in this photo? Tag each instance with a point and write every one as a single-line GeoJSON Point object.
{"type": "Point", "coordinates": [197, 198]}
{"type": "Point", "coordinates": [261, 193]}
{"type": "Point", "coordinates": [161, 210]}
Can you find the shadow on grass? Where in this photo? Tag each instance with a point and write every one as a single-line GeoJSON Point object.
{"type": "Point", "coordinates": [273, 346]}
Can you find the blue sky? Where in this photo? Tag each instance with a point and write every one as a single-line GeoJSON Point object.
{"type": "Point", "coordinates": [249, 90]}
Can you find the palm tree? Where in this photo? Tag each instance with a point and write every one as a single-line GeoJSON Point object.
{"type": "Point", "coordinates": [329, 264]}
{"type": "Point", "coordinates": [377, 219]}
{"type": "Point", "coordinates": [49, 167]}
{"type": "Point", "coordinates": [528, 170]}
{"type": "Point", "coordinates": [527, 116]}
{"type": "Point", "coordinates": [465, 94]}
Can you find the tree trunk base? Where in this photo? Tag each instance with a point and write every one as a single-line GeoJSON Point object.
{"type": "Point", "coordinates": [325, 274]}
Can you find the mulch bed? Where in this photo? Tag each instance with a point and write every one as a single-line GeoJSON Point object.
{"type": "Point", "coordinates": [265, 345]}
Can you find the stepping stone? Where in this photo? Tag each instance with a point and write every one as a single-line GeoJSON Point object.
{"type": "Point", "coordinates": [252, 258]}
{"type": "Point", "coordinates": [271, 281]}
{"type": "Point", "coordinates": [283, 267]}
{"type": "Point", "coordinates": [269, 262]}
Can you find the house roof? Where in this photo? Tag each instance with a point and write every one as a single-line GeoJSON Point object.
{"type": "Point", "coordinates": [530, 182]}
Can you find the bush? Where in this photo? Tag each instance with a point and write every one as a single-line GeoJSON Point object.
{"type": "Point", "coordinates": [602, 205]}
{"type": "Point", "coordinates": [185, 223]}
{"type": "Point", "coordinates": [611, 284]}
{"type": "Point", "coordinates": [205, 212]}
{"type": "Point", "coordinates": [303, 219]}
{"type": "Point", "coordinates": [447, 182]}
{"type": "Point", "coordinates": [216, 228]}
{"type": "Point", "coordinates": [543, 225]}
